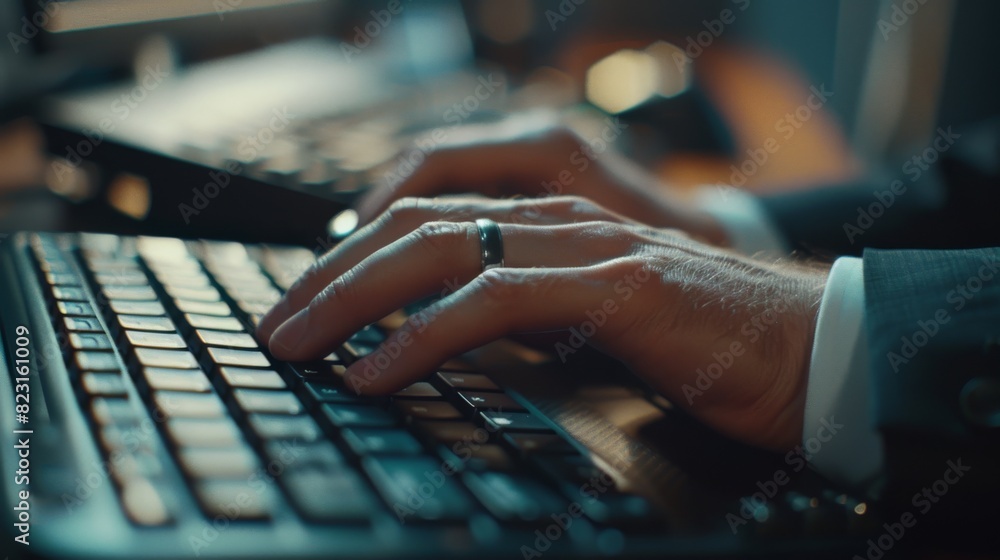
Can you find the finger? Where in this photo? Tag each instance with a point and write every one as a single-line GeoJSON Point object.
{"type": "Point", "coordinates": [497, 303]}
{"type": "Point", "coordinates": [485, 167]}
{"type": "Point", "coordinates": [437, 258]}
{"type": "Point", "coordinates": [404, 217]}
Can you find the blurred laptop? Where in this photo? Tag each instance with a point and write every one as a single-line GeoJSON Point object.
{"type": "Point", "coordinates": [147, 422]}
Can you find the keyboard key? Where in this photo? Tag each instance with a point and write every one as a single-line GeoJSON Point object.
{"type": "Point", "coordinates": [318, 371]}
{"type": "Point", "coordinates": [68, 293]}
{"type": "Point", "coordinates": [155, 340]}
{"type": "Point", "coordinates": [108, 411]}
{"type": "Point", "coordinates": [75, 309]}
{"type": "Point", "coordinates": [512, 497]}
{"type": "Point", "coordinates": [124, 278]}
{"type": "Point", "coordinates": [583, 482]}
{"type": "Point", "coordinates": [515, 421]}
{"type": "Point", "coordinates": [419, 390]}
{"type": "Point", "coordinates": [143, 503]}
{"type": "Point", "coordinates": [96, 361]}
{"type": "Point", "coordinates": [241, 358]}
{"type": "Point", "coordinates": [224, 497]}
{"type": "Point", "coordinates": [145, 308]}
{"type": "Point", "coordinates": [273, 402]}
{"type": "Point", "coordinates": [225, 339]}
{"type": "Point", "coordinates": [527, 444]}
{"type": "Point", "coordinates": [452, 432]}
{"type": "Point", "coordinates": [478, 400]}
{"type": "Point", "coordinates": [254, 307]}
{"type": "Point", "coordinates": [234, 462]}
{"type": "Point", "coordinates": [428, 410]}
{"type": "Point", "coordinates": [280, 426]}
{"type": "Point", "coordinates": [312, 491]}
{"type": "Point", "coordinates": [365, 441]}
{"type": "Point", "coordinates": [489, 457]}
{"type": "Point", "coordinates": [138, 463]}
{"type": "Point", "coordinates": [346, 415]}
{"type": "Point", "coordinates": [62, 279]}
{"type": "Point", "coordinates": [129, 293]}
{"type": "Point", "coordinates": [83, 324]}
{"type": "Point", "coordinates": [103, 384]}
{"type": "Point", "coordinates": [468, 381]}
{"type": "Point", "coordinates": [237, 377]}
{"type": "Point", "coordinates": [125, 439]}
{"type": "Point", "coordinates": [321, 455]}
{"type": "Point", "coordinates": [198, 432]}
{"type": "Point", "coordinates": [175, 404]}
{"type": "Point", "coordinates": [328, 393]}
{"type": "Point", "coordinates": [155, 357]}
{"type": "Point", "coordinates": [165, 379]}
{"type": "Point", "coordinates": [190, 279]}
{"type": "Point", "coordinates": [399, 479]}
{"type": "Point", "coordinates": [333, 358]}
{"type": "Point", "coordinates": [89, 341]}
{"type": "Point", "coordinates": [199, 321]}
{"type": "Point", "coordinates": [203, 293]}
{"type": "Point", "coordinates": [214, 309]}
{"type": "Point", "coordinates": [145, 323]}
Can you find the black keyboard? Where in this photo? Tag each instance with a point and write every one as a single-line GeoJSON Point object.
{"type": "Point", "coordinates": [157, 338]}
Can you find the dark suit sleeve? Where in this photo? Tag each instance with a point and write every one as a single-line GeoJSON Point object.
{"type": "Point", "coordinates": [933, 321]}
{"type": "Point", "coordinates": [943, 199]}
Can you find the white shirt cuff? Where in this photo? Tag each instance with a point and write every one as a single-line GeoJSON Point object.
{"type": "Point", "coordinates": [838, 435]}
{"type": "Point", "coordinates": [744, 219]}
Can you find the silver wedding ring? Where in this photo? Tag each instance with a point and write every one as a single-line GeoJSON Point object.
{"type": "Point", "coordinates": [490, 243]}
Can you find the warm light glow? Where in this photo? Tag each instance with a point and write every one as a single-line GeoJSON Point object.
{"type": "Point", "coordinates": [344, 223]}
{"type": "Point", "coordinates": [622, 80]}
{"type": "Point", "coordinates": [673, 67]}
{"type": "Point", "coordinates": [129, 194]}
{"type": "Point", "coordinates": [861, 508]}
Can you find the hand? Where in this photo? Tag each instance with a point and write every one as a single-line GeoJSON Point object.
{"type": "Point", "coordinates": [665, 305]}
{"type": "Point", "coordinates": [534, 161]}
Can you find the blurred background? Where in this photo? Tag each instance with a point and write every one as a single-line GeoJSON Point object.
{"type": "Point", "coordinates": [114, 112]}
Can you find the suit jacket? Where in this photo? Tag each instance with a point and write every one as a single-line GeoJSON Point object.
{"type": "Point", "coordinates": [933, 321]}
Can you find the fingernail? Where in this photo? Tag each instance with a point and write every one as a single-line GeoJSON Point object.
{"type": "Point", "coordinates": [290, 334]}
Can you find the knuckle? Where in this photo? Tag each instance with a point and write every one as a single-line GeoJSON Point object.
{"type": "Point", "coordinates": [498, 285]}
{"type": "Point", "coordinates": [578, 207]}
{"type": "Point", "coordinates": [405, 209]}
{"type": "Point", "coordinates": [445, 238]}
{"type": "Point", "coordinates": [622, 267]}
{"type": "Point", "coordinates": [342, 290]}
